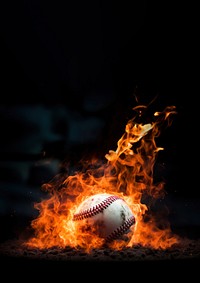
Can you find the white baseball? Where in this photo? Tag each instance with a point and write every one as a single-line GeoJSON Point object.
{"type": "Point", "coordinates": [106, 215]}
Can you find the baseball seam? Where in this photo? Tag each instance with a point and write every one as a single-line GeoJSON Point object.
{"type": "Point", "coordinates": [95, 209]}
{"type": "Point", "coordinates": [120, 230]}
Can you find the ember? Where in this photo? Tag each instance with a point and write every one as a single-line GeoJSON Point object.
{"type": "Point", "coordinates": [128, 174]}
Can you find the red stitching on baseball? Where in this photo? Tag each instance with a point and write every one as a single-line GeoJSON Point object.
{"type": "Point", "coordinates": [120, 230]}
{"type": "Point", "coordinates": [95, 209]}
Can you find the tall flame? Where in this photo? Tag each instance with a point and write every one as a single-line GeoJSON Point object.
{"type": "Point", "coordinates": [126, 172]}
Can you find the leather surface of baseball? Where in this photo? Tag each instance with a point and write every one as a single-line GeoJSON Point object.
{"type": "Point", "coordinates": [107, 216]}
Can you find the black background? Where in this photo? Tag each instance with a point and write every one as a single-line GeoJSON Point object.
{"type": "Point", "coordinates": [71, 72]}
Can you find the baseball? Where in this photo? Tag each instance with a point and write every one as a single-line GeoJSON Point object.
{"type": "Point", "coordinates": [106, 215]}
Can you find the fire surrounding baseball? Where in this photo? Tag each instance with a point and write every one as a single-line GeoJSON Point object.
{"type": "Point", "coordinates": [105, 215]}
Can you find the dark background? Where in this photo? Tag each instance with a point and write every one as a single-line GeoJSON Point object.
{"type": "Point", "coordinates": [71, 72]}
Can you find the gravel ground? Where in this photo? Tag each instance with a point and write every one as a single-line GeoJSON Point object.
{"type": "Point", "coordinates": [180, 260]}
{"type": "Point", "coordinates": [187, 249]}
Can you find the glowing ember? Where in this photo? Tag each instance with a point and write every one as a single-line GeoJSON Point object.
{"type": "Point", "coordinates": [127, 174]}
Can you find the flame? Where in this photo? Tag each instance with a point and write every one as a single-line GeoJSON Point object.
{"type": "Point", "coordinates": [126, 172]}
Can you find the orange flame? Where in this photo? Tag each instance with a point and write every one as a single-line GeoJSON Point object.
{"type": "Point", "coordinates": [128, 173]}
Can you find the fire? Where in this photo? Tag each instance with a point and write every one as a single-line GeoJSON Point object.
{"type": "Point", "coordinates": [128, 173]}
